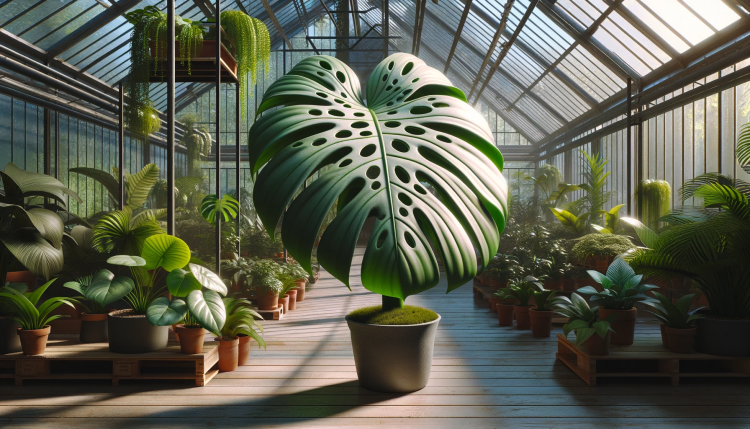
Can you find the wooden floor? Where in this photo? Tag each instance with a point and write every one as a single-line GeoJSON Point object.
{"type": "Point", "coordinates": [482, 376]}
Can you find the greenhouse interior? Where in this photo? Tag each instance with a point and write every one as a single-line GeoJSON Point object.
{"type": "Point", "coordinates": [512, 213]}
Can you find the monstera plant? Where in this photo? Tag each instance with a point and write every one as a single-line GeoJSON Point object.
{"type": "Point", "coordinates": [415, 157]}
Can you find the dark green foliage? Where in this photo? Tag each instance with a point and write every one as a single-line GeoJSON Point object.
{"type": "Point", "coordinates": [622, 287]}
{"type": "Point", "coordinates": [673, 314]}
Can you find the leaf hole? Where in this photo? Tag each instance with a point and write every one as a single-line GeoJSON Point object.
{"type": "Point", "coordinates": [385, 77]}
{"type": "Point", "coordinates": [392, 124]}
{"type": "Point", "coordinates": [407, 68]}
{"type": "Point", "coordinates": [410, 239]}
{"type": "Point", "coordinates": [440, 105]}
{"type": "Point", "coordinates": [375, 185]}
{"type": "Point", "coordinates": [404, 198]}
{"type": "Point", "coordinates": [431, 99]}
{"type": "Point", "coordinates": [443, 138]}
{"type": "Point", "coordinates": [315, 112]}
{"type": "Point", "coordinates": [347, 106]}
{"type": "Point", "coordinates": [321, 74]}
{"type": "Point", "coordinates": [420, 189]}
{"type": "Point", "coordinates": [334, 112]}
{"type": "Point", "coordinates": [367, 150]}
{"type": "Point", "coordinates": [343, 94]}
{"type": "Point", "coordinates": [398, 88]}
{"type": "Point", "coordinates": [373, 172]}
{"type": "Point", "coordinates": [343, 134]}
{"type": "Point", "coordinates": [359, 114]}
{"type": "Point", "coordinates": [338, 101]}
{"type": "Point", "coordinates": [403, 212]}
{"type": "Point", "coordinates": [390, 65]}
{"type": "Point", "coordinates": [393, 112]}
{"type": "Point", "coordinates": [365, 133]}
{"type": "Point", "coordinates": [321, 94]}
{"type": "Point", "coordinates": [319, 142]}
{"type": "Point", "coordinates": [407, 92]}
{"type": "Point", "coordinates": [402, 174]}
{"type": "Point", "coordinates": [298, 144]}
{"type": "Point", "coordinates": [414, 130]}
{"type": "Point", "coordinates": [345, 162]}
{"type": "Point", "coordinates": [383, 235]}
{"type": "Point", "coordinates": [395, 81]}
{"type": "Point", "coordinates": [340, 76]}
{"type": "Point", "coordinates": [400, 146]}
{"type": "Point", "coordinates": [415, 80]}
{"type": "Point", "coordinates": [389, 87]}
{"type": "Point", "coordinates": [326, 65]}
{"type": "Point", "coordinates": [420, 110]}
{"type": "Point", "coordinates": [360, 124]}
{"type": "Point", "coordinates": [389, 104]}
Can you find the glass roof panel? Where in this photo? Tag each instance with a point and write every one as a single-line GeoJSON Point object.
{"type": "Point", "coordinates": [657, 26]}
{"type": "Point", "coordinates": [713, 11]}
{"type": "Point", "coordinates": [679, 18]}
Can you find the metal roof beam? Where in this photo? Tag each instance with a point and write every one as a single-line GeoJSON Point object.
{"type": "Point", "coordinates": [493, 44]}
{"type": "Point", "coordinates": [587, 35]}
{"type": "Point", "coordinates": [418, 20]}
{"type": "Point", "coordinates": [507, 46]}
{"type": "Point", "coordinates": [457, 37]}
{"type": "Point", "coordinates": [594, 47]}
{"type": "Point", "coordinates": [276, 23]}
{"type": "Point", "coordinates": [90, 28]}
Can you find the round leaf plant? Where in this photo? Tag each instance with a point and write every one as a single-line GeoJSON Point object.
{"type": "Point", "coordinates": [414, 156]}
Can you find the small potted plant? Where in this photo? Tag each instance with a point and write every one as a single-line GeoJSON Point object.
{"type": "Point", "coordinates": [100, 289]}
{"type": "Point", "coordinates": [622, 289]}
{"type": "Point", "coordinates": [10, 342]}
{"type": "Point", "coordinates": [34, 319]}
{"type": "Point", "coordinates": [234, 336]}
{"type": "Point", "coordinates": [597, 250]}
{"type": "Point", "coordinates": [541, 316]}
{"type": "Point", "coordinates": [290, 276]}
{"type": "Point", "coordinates": [677, 328]}
{"type": "Point", "coordinates": [266, 285]}
{"type": "Point", "coordinates": [520, 291]}
{"type": "Point", "coordinates": [556, 272]}
{"type": "Point", "coordinates": [586, 322]}
{"type": "Point", "coordinates": [239, 273]}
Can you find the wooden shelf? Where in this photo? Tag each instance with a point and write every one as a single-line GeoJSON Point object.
{"type": "Point", "coordinates": [648, 358]}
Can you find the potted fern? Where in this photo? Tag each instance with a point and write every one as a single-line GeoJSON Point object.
{"type": "Point", "coordinates": [415, 135]}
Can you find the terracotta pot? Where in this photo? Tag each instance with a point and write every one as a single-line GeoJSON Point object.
{"type": "Point", "coordinates": [191, 339]}
{"type": "Point", "coordinates": [94, 328]}
{"type": "Point", "coordinates": [623, 325]}
{"type": "Point", "coordinates": [664, 337]}
{"type": "Point", "coordinates": [523, 320]}
{"type": "Point", "coordinates": [477, 281]}
{"type": "Point", "coordinates": [279, 254]}
{"type": "Point", "coordinates": [680, 340]}
{"type": "Point", "coordinates": [505, 314]}
{"type": "Point", "coordinates": [602, 262]}
{"type": "Point", "coordinates": [494, 301]}
{"type": "Point", "coordinates": [22, 277]}
{"type": "Point", "coordinates": [541, 323]}
{"type": "Point", "coordinates": [553, 285]}
{"type": "Point", "coordinates": [268, 300]}
{"type": "Point", "coordinates": [597, 345]}
{"type": "Point", "coordinates": [229, 256]}
{"type": "Point", "coordinates": [243, 350]}
{"type": "Point", "coordinates": [284, 303]}
{"type": "Point", "coordinates": [300, 293]}
{"type": "Point", "coordinates": [228, 355]}
{"type": "Point", "coordinates": [34, 341]}
{"type": "Point", "coordinates": [292, 299]}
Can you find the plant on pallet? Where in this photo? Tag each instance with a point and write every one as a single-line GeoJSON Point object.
{"type": "Point", "coordinates": [293, 277]}
{"type": "Point", "coordinates": [416, 157]}
{"type": "Point", "coordinates": [10, 342]}
{"type": "Point", "coordinates": [677, 328]}
{"type": "Point", "coordinates": [266, 285]}
{"type": "Point", "coordinates": [622, 288]}
{"type": "Point", "coordinates": [590, 328]}
{"type": "Point", "coordinates": [541, 316]}
{"type": "Point", "coordinates": [100, 289]}
{"type": "Point", "coordinates": [34, 317]}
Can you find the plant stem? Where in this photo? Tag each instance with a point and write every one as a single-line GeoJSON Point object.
{"type": "Point", "coordinates": [392, 303]}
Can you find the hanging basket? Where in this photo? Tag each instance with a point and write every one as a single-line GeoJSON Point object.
{"type": "Point", "coordinates": [202, 66]}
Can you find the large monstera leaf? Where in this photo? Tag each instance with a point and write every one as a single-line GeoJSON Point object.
{"type": "Point", "coordinates": [415, 156]}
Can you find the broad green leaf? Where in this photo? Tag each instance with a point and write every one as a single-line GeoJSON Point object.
{"type": "Point", "coordinates": [180, 283]}
{"type": "Point", "coordinates": [416, 157]}
{"type": "Point", "coordinates": [115, 232]}
{"type": "Point", "coordinates": [644, 233]}
{"type": "Point", "coordinates": [619, 272]}
{"type": "Point", "coordinates": [227, 208]}
{"type": "Point", "coordinates": [208, 279]}
{"type": "Point", "coordinates": [106, 292]}
{"type": "Point", "coordinates": [102, 275]}
{"type": "Point", "coordinates": [33, 251]}
{"type": "Point", "coordinates": [127, 261]}
{"type": "Point", "coordinates": [75, 286]}
{"type": "Point", "coordinates": [138, 185]}
{"type": "Point", "coordinates": [208, 309]}
{"type": "Point", "coordinates": [36, 184]}
{"type": "Point", "coordinates": [596, 275]}
{"type": "Point", "coordinates": [105, 179]}
{"type": "Point", "coordinates": [165, 251]}
{"type": "Point", "coordinates": [163, 312]}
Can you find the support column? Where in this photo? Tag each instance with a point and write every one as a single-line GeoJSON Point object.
{"type": "Point", "coordinates": [121, 158]}
{"type": "Point", "coordinates": [238, 168]}
{"type": "Point", "coordinates": [218, 133]}
{"type": "Point", "coordinates": [170, 116]}
{"type": "Point", "coordinates": [629, 148]}
{"type": "Point", "coordinates": [47, 142]}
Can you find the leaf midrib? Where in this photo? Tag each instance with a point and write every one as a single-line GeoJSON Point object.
{"type": "Point", "coordinates": [386, 179]}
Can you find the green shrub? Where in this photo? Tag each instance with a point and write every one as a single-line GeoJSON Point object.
{"type": "Point", "coordinates": [409, 315]}
{"type": "Point", "coordinates": [597, 244]}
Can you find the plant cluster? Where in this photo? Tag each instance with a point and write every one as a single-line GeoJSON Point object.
{"type": "Point", "coordinates": [241, 319]}
{"type": "Point", "coordinates": [520, 290]}
{"type": "Point", "coordinates": [675, 315]}
{"type": "Point", "coordinates": [622, 287]}
{"type": "Point", "coordinates": [582, 319]}
{"type": "Point", "coordinates": [264, 275]}
{"type": "Point", "coordinates": [597, 244]}
{"type": "Point", "coordinates": [26, 309]}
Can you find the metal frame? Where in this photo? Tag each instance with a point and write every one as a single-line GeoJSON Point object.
{"type": "Point", "coordinates": [418, 21]}
{"type": "Point", "coordinates": [275, 21]}
{"type": "Point", "coordinates": [457, 37]}
{"type": "Point", "coordinates": [495, 39]}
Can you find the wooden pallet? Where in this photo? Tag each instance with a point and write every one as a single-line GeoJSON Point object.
{"type": "Point", "coordinates": [648, 358]}
{"type": "Point", "coordinates": [276, 314]}
{"type": "Point", "coordinates": [67, 359]}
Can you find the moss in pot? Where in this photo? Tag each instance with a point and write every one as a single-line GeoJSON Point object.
{"type": "Point", "coordinates": [415, 156]}
{"type": "Point", "coordinates": [598, 250]}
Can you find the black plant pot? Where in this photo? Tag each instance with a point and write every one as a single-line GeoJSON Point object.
{"type": "Point", "coordinates": [129, 333]}
{"type": "Point", "coordinates": [722, 337]}
{"type": "Point", "coordinates": [10, 342]}
{"type": "Point", "coordinates": [94, 328]}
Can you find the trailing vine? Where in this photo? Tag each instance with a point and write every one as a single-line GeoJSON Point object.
{"type": "Point", "coordinates": [252, 46]}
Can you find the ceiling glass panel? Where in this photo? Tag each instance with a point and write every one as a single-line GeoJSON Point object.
{"type": "Point", "coordinates": [654, 24]}
{"type": "Point", "coordinates": [714, 11]}
{"type": "Point", "coordinates": [679, 18]}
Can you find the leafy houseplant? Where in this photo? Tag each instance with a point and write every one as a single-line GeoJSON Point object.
{"type": "Point", "coordinates": [415, 133]}
{"type": "Point", "coordinates": [590, 328]}
{"type": "Point", "coordinates": [293, 278]}
{"type": "Point", "coordinates": [599, 250]}
{"type": "Point", "coordinates": [622, 289]}
{"type": "Point", "coordinates": [10, 342]}
{"type": "Point", "coordinates": [541, 316]}
{"type": "Point", "coordinates": [100, 289]}
{"type": "Point", "coordinates": [267, 286]}
{"type": "Point", "coordinates": [520, 292]}
{"type": "Point", "coordinates": [197, 140]}
{"type": "Point", "coordinates": [34, 317]}
{"type": "Point", "coordinates": [234, 337]}
{"type": "Point", "coordinates": [30, 233]}
{"type": "Point", "coordinates": [677, 330]}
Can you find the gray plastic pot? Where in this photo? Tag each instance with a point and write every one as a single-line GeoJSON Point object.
{"type": "Point", "coordinates": [130, 333]}
{"type": "Point", "coordinates": [722, 337]}
{"type": "Point", "coordinates": [9, 340]}
{"type": "Point", "coordinates": [393, 358]}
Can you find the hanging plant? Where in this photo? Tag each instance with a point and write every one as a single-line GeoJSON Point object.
{"type": "Point", "coordinates": [653, 198]}
{"type": "Point", "coordinates": [197, 140]}
{"type": "Point", "coordinates": [150, 25]}
{"type": "Point", "coordinates": [252, 46]}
